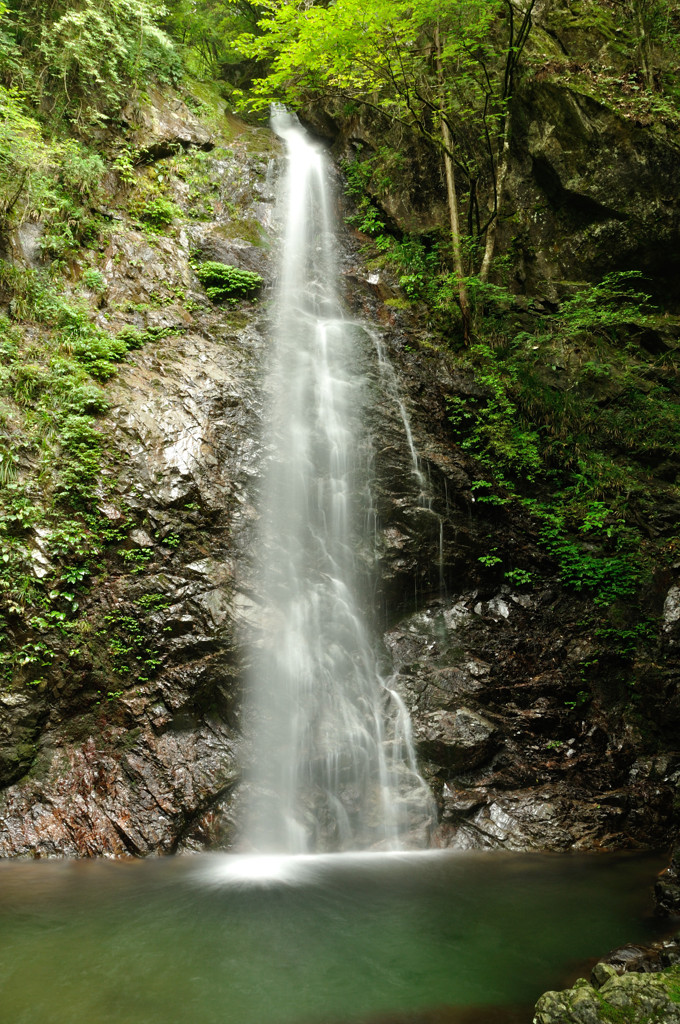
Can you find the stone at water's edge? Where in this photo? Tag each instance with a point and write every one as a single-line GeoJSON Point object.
{"type": "Point", "coordinates": [628, 999]}
{"type": "Point", "coordinates": [667, 888]}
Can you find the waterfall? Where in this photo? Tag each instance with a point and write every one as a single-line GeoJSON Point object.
{"type": "Point", "coordinates": [334, 767]}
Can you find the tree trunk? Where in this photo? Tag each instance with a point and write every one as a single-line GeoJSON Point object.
{"type": "Point", "coordinates": [501, 173]}
{"type": "Point", "coordinates": [452, 200]}
{"type": "Point", "coordinates": [644, 46]}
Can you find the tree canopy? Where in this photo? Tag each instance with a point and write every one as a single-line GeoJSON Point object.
{"type": "Point", "coordinates": [445, 71]}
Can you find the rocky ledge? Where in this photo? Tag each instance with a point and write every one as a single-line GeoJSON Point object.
{"type": "Point", "coordinates": [625, 999]}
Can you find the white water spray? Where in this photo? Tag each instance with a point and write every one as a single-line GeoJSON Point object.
{"type": "Point", "coordinates": [334, 766]}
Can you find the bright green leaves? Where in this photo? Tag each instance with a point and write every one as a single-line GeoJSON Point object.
{"type": "Point", "coordinates": [224, 282]}
{"type": "Point", "coordinates": [55, 181]}
{"type": "Point", "coordinates": [443, 71]}
{"type": "Point", "coordinates": [379, 51]}
{"type": "Point", "coordinates": [571, 421]}
{"type": "Point", "coordinates": [89, 52]}
{"type": "Point", "coordinates": [612, 302]}
{"type": "Point", "coordinates": [25, 157]}
{"type": "Point", "coordinates": [205, 30]}
{"type": "Point", "coordinates": [490, 428]}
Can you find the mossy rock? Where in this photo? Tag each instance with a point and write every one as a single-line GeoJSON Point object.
{"type": "Point", "coordinates": [623, 999]}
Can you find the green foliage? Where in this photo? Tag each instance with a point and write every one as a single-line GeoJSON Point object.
{"type": "Point", "coordinates": [25, 157]}
{"type": "Point", "coordinates": [519, 577]}
{"type": "Point", "coordinates": [635, 72]}
{"type": "Point", "coordinates": [94, 280]}
{"type": "Point", "coordinates": [136, 559]}
{"type": "Point", "coordinates": [548, 445]}
{"type": "Point", "coordinates": [87, 53]}
{"type": "Point", "coordinates": [224, 282]}
{"type": "Point", "coordinates": [544, 434]}
{"type": "Point", "coordinates": [48, 373]}
{"type": "Point", "coordinates": [443, 73]}
{"type": "Point", "coordinates": [364, 48]}
{"type": "Point", "coordinates": [582, 698]}
{"type": "Point", "coordinates": [421, 262]}
{"type": "Point", "coordinates": [157, 213]}
{"type": "Point", "coordinates": [132, 338]}
{"type": "Point", "coordinates": [206, 30]}
{"type": "Point", "coordinates": [81, 447]}
{"type": "Point", "coordinates": [55, 181]}
{"type": "Point", "coordinates": [624, 641]}
{"type": "Point", "coordinates": [489, 427]}
{"type": "Point", "coordinates": [124, 164]}
{"type": "Point", "coordinates": [59, 515]}
{"type": "Point", "coordinates": [95, 349]}
{"type": "Point", "coordinates": [483, 495]}
{"type": "Point", "coordinates": [608, 575]}
{"type": "Point", "coordinates": [129, 648]}
{"type": "Point", "coordinates": [153, 602]}
{"type": "Point", "coordinates": [490, 560]}
{"type": "Point", "coordinates": [672, 977]}
{"type": "Point", "coordinates": [607, 305]}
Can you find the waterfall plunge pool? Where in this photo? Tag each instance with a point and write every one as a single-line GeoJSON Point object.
{"type": "Point", "coordinates": [435, 936]}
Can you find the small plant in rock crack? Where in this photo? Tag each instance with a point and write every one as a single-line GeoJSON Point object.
{"type": "Point", "coordinates": [491, 559]}
{"type": "Point", "coordinates": [519, 577]}
{"type": "Point", "coordinates": [157, 213]}
{"type": "Point", "coordinates": [94, 280]}
{"type": "Point", "coordinates": [136, 559]}
{"type": "Point", "coordinates": [582, 697]}
{"type": "Point", "coordinates": [153, 602]}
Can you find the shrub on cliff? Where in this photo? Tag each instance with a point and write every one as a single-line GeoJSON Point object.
{"type": "Point", "coordinates": [224, 282]}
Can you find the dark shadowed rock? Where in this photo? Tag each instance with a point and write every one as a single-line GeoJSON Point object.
{"type": "Point", "coordinates": [457, 739]}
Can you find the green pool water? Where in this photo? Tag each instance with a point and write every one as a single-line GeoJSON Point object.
{"type": "Point", "coordinates": [346, 938]}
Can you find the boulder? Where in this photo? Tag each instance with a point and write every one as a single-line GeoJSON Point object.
{"type": "Point", "coordinates": [633, 998]}
{"type": "Point", "coordinates": [459, 739]}
{"type": "Point", "coordinates": [163, 125]}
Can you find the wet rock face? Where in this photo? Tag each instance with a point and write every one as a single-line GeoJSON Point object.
{"type": "Point", "coordinates": [20, 718]}
{"type": "Point", "coordinates": [460, 738]}
{"type": "Point", "coordinates": [557, 755]}
{"type": "Point", "coordinates": [97, 798]}
{"type": "Point", "coordinates": [515, 758]}
{"type": "Point", "coordinates": [593, 193]}
{"type": "Point", "coordinates": [162, 125]}
{"type": "Point", "coordinates": [128, 743]}
{"type": "Point", "coordinates": [115, 769]}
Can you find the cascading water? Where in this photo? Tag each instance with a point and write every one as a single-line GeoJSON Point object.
{"type": "Point", "coordinates": [334, 767]}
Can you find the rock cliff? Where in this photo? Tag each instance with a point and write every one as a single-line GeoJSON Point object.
{"type": "Point", "coordinates": [120, 722]}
